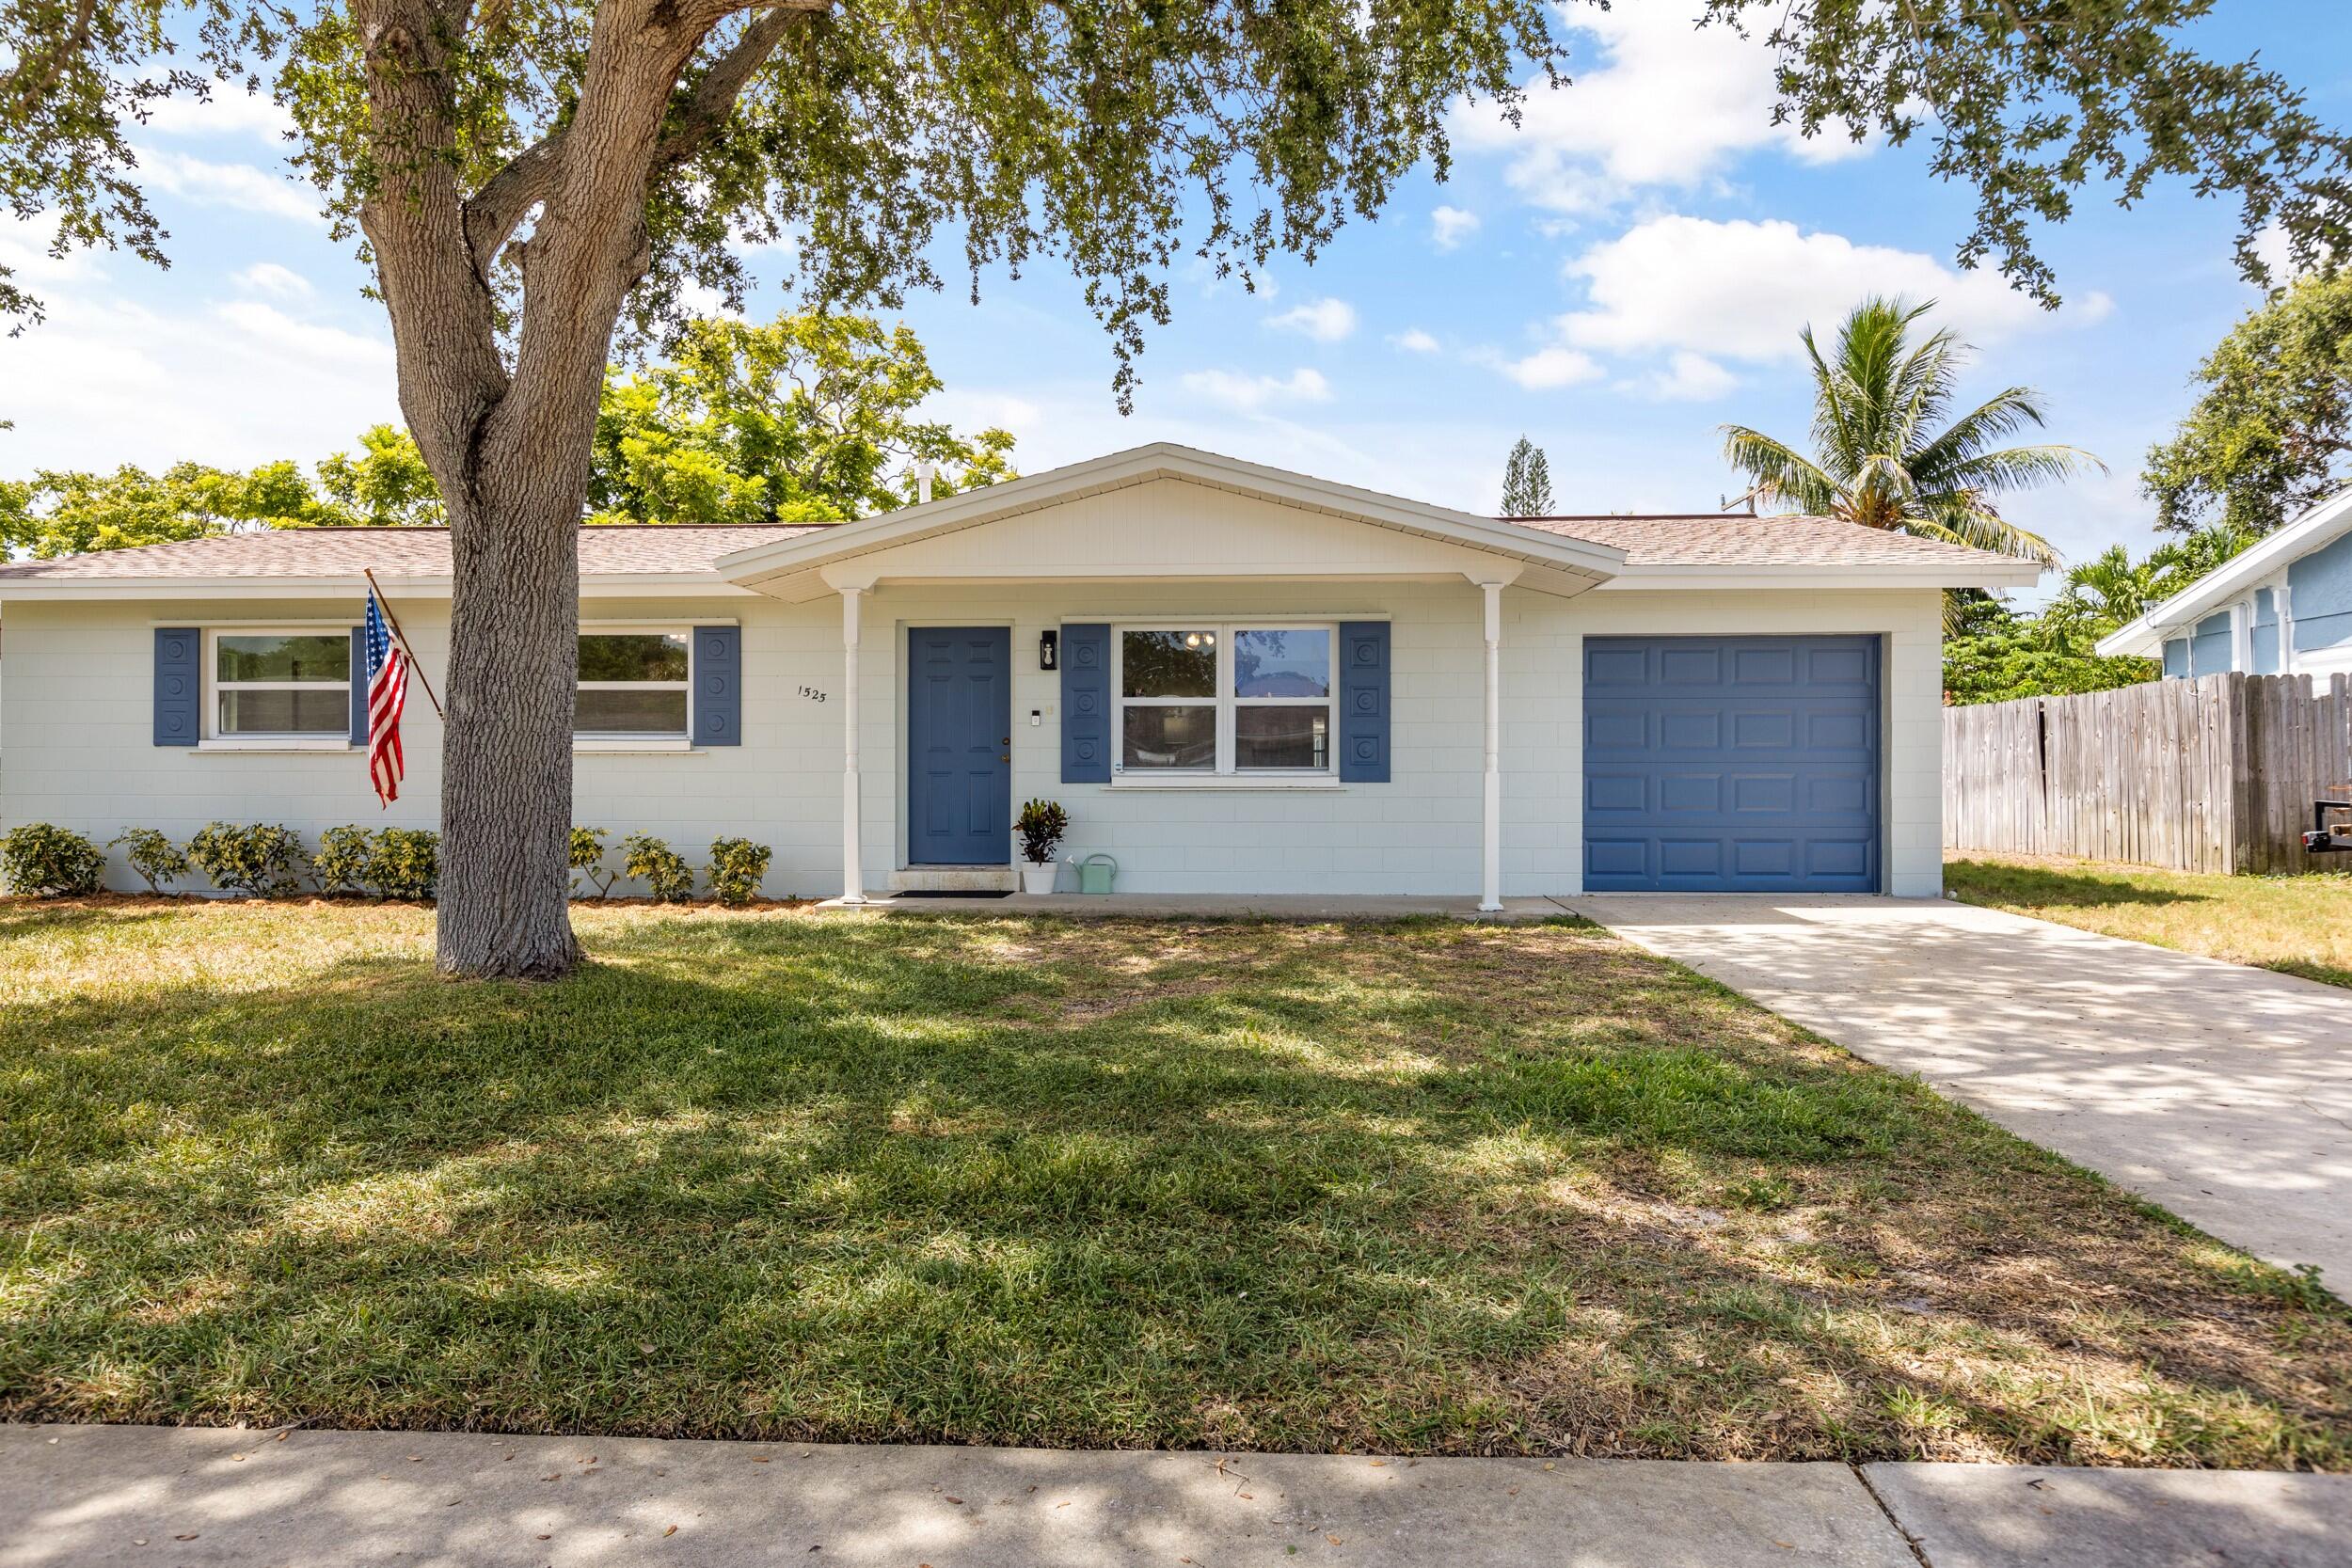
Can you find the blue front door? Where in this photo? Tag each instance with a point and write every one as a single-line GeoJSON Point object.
{"type": "Point", "coordinates": [960, 746]}
{"type": "Point", "coordinates": [1731, 763]}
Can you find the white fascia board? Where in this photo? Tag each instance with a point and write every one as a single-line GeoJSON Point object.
{"type": "Point", "coordinates": [612, 585]}
{"type": "Point", "coordinates": [1715, 575]}
{"type": "Point", "coordinates": [1164, 460]}
{"type": "Point", "coordinates": [2242, 573]}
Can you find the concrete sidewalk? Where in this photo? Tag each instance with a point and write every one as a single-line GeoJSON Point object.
{"type": "Point", "coordinates": [182, 1498]}
{"type": "Point", "coordinates": [2222, 1092]}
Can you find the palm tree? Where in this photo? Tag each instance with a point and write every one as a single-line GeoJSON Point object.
{"type": "Point", "coordinates": [1885, 456]}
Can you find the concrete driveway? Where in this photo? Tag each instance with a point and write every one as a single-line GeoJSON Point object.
{"type": "Point", "coordinates": [2222, 1092]}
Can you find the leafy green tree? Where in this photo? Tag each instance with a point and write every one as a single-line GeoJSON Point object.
{"type": "Point", "coordinates": [2271, 433]}
{"type": "Point", "coordinates": [62, 513]}
{"type": "Point", "coordinates": [1992, 654]}
{"type": "Point", "coordinates": [810, 417]}
{"type": "Point", "coordinates": [530, 178]}
{"type": "Point", "coordinates": [2010, 656]}
{"type": "Point", "coordinates": [386, 485]}
{"type": "Point", "coordinates": [1527, 481]}
{"type": "Point", "coordinates": [1888, 451]}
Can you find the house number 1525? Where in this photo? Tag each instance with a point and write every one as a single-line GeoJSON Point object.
{"type": "Point", "coordinates": [812, 694]}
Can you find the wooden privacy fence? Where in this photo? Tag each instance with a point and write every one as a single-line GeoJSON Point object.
{"type": "Point", "coordinates": [2212, 775]}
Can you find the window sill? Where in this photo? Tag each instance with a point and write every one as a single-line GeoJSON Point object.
{"type": "Point", "coordinates": [1225, 781]}
{"type": "Point", "coordinates": [276, 743]}
{"type": "Point", "coordinates": [582, 744]}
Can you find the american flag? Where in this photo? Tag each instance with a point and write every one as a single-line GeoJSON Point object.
{"type": "Point", "coordinates": [387, 692]}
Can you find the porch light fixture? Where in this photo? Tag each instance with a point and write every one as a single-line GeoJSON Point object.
{"type": "Point", "coordinates": [1049, 650]}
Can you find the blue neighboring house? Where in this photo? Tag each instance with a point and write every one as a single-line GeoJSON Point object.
{"type": "Point", "coordinates": [2283, 607]}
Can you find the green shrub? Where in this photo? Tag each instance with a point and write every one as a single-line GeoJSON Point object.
{"type": "Point", "coordinates": [51, 860]}
{"type": "Point", "coordinates": [1042, 825]}
{"type": "Point", "coordinates": [736, 865]}
{"type": "Point", "coordinates": [341, 863]}
{"type": "Point", "coordinates": [404, 863]}
{"type": "Point", "coordinates": [665, 873]}
{"type": "Point", "coordinates": [588, 859]}
{"type": "Point", "coordinates": [259, 859]}
{"type": "Point", "coordinates": [153, 855]}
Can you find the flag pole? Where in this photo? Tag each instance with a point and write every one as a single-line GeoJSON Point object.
{"type": "Point", "coordinates": [413, 664]}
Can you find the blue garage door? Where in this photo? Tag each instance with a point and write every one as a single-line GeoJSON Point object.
{"type": "Point", "coordinates": [1731, 763]}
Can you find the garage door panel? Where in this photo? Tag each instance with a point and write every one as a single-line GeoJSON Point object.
{"type": "Point", "coordinates": [1732, 764]}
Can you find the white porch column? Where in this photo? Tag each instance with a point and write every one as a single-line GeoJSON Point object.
{"type": "Point", "coordinates": [852, 867]}
{"type": "Point", "coordinates": [1490, 897]}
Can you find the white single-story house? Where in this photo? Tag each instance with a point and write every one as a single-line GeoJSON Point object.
{"type": "Point", "coordinates": [2281, 608]}
{"type": "Point", "coordinates": [1237, 679]}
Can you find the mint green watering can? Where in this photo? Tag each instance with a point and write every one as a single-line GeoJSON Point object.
{"type": "Point", "coordinates": [1095, 872]}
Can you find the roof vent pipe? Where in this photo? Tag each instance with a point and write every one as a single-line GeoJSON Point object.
{"type": "Point", "coordinates": [923, 468]}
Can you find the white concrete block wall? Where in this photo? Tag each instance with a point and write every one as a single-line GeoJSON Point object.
{"type": "Point", "coordinates": [75, 734]}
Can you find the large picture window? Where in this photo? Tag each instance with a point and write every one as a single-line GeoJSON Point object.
{"type": "Point", "coordinates": [281, 684]}
{"type": "Point", "coordinates": [634, 684]}
{"type": "Point", "coordinates": [1225, 698]}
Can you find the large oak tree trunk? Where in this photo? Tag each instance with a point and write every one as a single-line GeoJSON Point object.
{"type": "Point", "coordinates": [506, 780]}
{"type": "Point", "coordinates": [511, 447]}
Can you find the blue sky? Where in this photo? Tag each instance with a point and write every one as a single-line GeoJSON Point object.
{"type": "Point", "coordinates": [1616, 280]}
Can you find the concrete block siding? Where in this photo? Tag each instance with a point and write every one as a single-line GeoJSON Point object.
{"type": "Point", "coordinates": [75, 714]}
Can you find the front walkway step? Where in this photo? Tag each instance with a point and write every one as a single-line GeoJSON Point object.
{"type": "Point", "coordinates": [955, 879]}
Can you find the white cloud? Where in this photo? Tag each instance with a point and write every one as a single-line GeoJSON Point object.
{"type": "Point", "coordinates": [1326, 321]}
{"type": "Point", "coordinates": [1450, 226]}
{"type": "Point", "coordinates": [270, 279]}
{"type": "Point", "coordinates": [1671, 105]}
{"type": "Point", "coordinates": [230, 112]}
{"type": "Point", "coordinates": [278, 333]}
{"type": "Point", "coordinates": [1742, 290]}
{"type": "Point", "coordinates": [1414, 341]}
{"type": "Point", "coordinates": [1545, 370]}
{"type": "Point", "coordinates": [239, 185]}
{"type": "Point", "coordinates": [1248, 393]}
{"type": "Point", "coordinates": [1687, 377]}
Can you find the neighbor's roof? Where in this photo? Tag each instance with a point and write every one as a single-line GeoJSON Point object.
{"type": "Point", "coordinates": [335, 558]}
{"type": "Point", "coordinates": [1738, 539]}
{"type": "Point", "coordinates": [2322, 525]}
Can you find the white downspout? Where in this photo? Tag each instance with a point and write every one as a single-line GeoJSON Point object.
{"type": "Point", "coordinates": [1490, 897]}
{"type": "Point", "coordinates": [852, 868]}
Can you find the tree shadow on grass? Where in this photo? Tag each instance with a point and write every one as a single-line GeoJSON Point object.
{"type": "Point", "coordinates": [1430, 1189]}
{"type": "Point", "coordinates": [2001, 882]}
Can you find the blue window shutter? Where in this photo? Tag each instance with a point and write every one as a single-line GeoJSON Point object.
{"type": "Point", "coordinates": [1086, 704]}
{"type": "Point", "coordinates": [718, 686]}
{"type": "Point", "coordinates": [178, 686]}
{"type": "Point", "coordinates": [359, 686]}
{"type": "Point", "coordinates": [1364, 702]}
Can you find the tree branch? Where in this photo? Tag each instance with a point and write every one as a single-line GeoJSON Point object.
{"type": "Point", "coordinates": [499, 208]}
{"type": "Point", "coordinates": [706, 113]}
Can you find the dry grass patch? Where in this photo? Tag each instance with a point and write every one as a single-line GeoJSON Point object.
{"type": "Point", "coordinates": [1420, 1187]}
{"type": "Point", "coordinates": [2294, 925]}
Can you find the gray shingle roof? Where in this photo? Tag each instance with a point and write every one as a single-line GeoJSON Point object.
{"type": "Point", "coordinates": [393, 552]}
{"type": "Point", "coordinates": [1706, 539]}
{"type": "Point", "coordinates": [1736, 539]}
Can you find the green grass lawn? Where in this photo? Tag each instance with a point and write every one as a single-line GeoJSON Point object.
{"type": "Point", "coordinates": [1424, 1187]}
{"type": "Point", "coordinates": [2295, 924]}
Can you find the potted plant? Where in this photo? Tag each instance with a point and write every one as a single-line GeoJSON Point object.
{"type": "Point", "coordinates": [1042, 825]}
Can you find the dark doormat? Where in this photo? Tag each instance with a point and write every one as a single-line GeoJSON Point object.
{"type": "Point", "coordinates": [950, 893]}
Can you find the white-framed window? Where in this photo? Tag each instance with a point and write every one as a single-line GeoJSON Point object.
{"type": "Point", "coordinates": [1225, 698]}
{"type": "Point", "coordinates": [636, 683]}
{"type": "Point", "coordinates": [290, 683]}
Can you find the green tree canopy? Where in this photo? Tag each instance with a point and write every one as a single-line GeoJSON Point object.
{"type": "Point", "coordinates": [66, 512]}
{"type": "Point", "coordinates": [808, 417]}
{"type": "Point", "coordinates": [1527, 481]}
{"type": "Point", "coordinates": [2271, 433]}
{"type": "Point", "coordinates": [1890, 453]}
